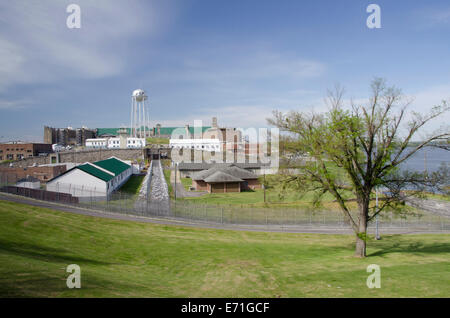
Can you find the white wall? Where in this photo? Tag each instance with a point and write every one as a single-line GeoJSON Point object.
{"type": "Point", "coordinates": [79, 184]}
{"type": "Point", "coordinates": [114, 142]}
{"type": "Point", "coordinates": [197, 144]}
{"type": "Point", "coordinates": [30, 185]}
{"type": "Point", "coordinates": [96, 143]}
{"type": "Point", "coordinates": [83, 185]}
{"type": "Point", "coordinates": [120, 179]}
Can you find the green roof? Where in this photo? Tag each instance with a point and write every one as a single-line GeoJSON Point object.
{"type": "Point", "coordinates": [110, 131]}
{"type": "Point", "coordinates": [95, 172]}
{"type": "Point", "coordinates": [163, 130]}
{"type": "Point", "coordinates": [112, 164]}
{"type": "Point", "coordinates": [169, 130]}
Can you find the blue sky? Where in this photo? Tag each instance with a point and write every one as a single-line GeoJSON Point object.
{"type": "Point", "coordinates": [237, 60]}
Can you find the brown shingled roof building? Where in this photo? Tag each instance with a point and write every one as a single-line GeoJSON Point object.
{"type": "Point", "coordinates": [225, 178]}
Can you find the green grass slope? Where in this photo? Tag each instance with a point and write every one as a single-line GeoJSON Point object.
{"type": "Point", "coordinates": [131, 259]}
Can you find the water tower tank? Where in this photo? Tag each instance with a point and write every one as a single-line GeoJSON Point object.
{"type": "Point", "coordinates": [139, 95]}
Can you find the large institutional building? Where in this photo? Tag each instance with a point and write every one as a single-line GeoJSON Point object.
{"type": "Point", "coordinates": [207, 138]}
{"type": "Point", "coordinates": [212, 138]}
{"type": "Point", "coordinates": [68, 136]}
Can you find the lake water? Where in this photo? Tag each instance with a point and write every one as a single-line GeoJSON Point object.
{"type": "Point", "coordinates": [428, 158]}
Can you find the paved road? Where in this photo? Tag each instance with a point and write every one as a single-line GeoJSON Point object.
{"type": "Point", "coordinates": [190, 223]}
{"type": "Point", "coordinates": [438, 207]}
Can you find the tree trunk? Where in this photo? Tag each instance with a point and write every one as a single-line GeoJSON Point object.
{"type": "Point", "coordinates": [360, 247]}
{"type": "Point", "coordinates": [361, 236]}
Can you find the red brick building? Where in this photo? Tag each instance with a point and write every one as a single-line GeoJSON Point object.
{"type": "Point", "coordinates": [10, 175]}
{"type": "Point", "coordinates": [223, 179]}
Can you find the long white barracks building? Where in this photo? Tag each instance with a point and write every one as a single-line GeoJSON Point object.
{"type": "Point", "coordinates": [92, 180]}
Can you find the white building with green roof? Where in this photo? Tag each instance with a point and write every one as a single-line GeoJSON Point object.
{"type": "Point", "coordinates": [94, 180]}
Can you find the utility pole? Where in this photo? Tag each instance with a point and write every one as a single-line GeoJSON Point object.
{"type": "Point", "coordinates": [425, 158]}
{"type": "Point", "coordinates": [264, 185]}
{"type": "Point", "coordinates": [377, 234]}
{"type": "Point", "coordinates": [175, 185]}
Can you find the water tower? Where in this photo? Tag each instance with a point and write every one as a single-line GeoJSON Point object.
{"type": "Point", "coordinates": [139, 114]}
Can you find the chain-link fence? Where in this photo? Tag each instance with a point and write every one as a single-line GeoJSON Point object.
{"type": "Point", "coordinates": [185, 210]}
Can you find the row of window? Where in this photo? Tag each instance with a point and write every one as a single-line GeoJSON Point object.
{"type": "Point", "coordinates": [112, 182]}
{"type": "Point", "coordinates": [17, 149]}
{"type": "Point", "coordinates": [11, 156]}
{"type": "Point", "coordinates": [113, 142]}
{"type": "Point", "coordinates": [196, 146]}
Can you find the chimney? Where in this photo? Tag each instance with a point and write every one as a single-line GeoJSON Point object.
{"type": "Point", "coordinates": [158, 129]}
{"type": "Point", "coordinates": [214, 122]}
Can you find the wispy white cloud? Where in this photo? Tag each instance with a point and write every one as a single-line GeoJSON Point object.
{"type": "Point", "coordinates": [14, 104]}
{"type": "Point", "coordinates": [439, 16]}
{"type": "Point", "coordinates": [256, 66]}
{"type": "Point", "coordinates": [431, 17]}
{"type": "Point", "coordinates": [36, 45]}
{"type": "Point", "coordinates": [425, 100]}
{"type": "Point", "coordinates": [254, 113]}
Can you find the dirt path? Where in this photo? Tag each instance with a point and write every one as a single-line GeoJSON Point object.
{"type": "Point", "coordinates": [181, 191]}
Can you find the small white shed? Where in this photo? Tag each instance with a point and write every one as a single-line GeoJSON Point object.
{"type": "Point", "coordinates": [29, 182]}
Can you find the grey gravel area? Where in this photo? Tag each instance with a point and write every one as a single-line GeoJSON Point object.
{"type": "Point", "coordinates": [159, 191]}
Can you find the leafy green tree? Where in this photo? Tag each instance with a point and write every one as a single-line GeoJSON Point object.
{"type": "Point", "coordinates": [357, 149]}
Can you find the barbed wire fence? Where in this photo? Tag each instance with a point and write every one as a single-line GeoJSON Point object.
{"type": "Point", "coordinates": [281, 217]}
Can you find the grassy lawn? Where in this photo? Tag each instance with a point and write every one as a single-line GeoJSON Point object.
{"type": "Point", "coordinates": [290, 198]}
{"type": "Point", "coordinates": [133, 184]}
{"type": "Point", "coordinates": [130, 259]}
{"type": "Point", "coordinates": [157, 141]}
{"type": "Point", "coordinates": [256, 198]}
{"type": "Point", "coordinates": [169, 184]}
{"type": "Point", "coordinates": [441, 197]}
